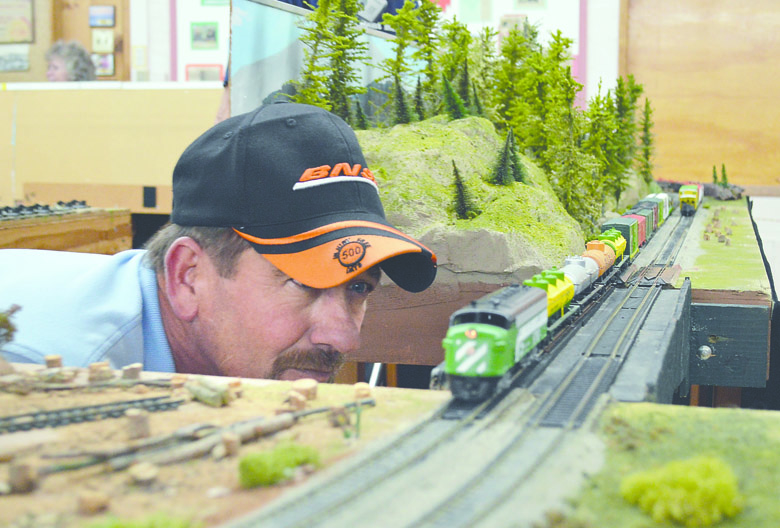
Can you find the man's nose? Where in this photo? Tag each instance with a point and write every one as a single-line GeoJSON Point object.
{"type": "Point", "coordinates": [336, 321]}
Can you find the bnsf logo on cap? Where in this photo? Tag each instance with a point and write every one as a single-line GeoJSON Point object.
{"type": "Point", "coordinates": [350, 252]}
{"type": "Point", "coordinates": [339, 172]}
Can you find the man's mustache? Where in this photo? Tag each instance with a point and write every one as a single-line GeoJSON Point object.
{"type": "Point", "coordinates": [317, 359]}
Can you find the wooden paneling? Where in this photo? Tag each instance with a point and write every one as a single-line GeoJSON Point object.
{"type": "Point", "coordinates": [709, 68]}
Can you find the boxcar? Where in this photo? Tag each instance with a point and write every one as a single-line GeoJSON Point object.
{"type": "Point", "coordinates": [642, 224]}
{"type": "Point", "coordinates": [665, 208]}
{"type": "Point", "coordinates": [629, 228]}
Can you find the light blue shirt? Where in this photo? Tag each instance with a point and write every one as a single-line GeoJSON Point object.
{"type": "Point", "coordinates": [84, 307]}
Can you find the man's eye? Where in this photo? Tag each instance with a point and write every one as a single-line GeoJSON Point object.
{"type": "Point", "coordinates": [362, 288]}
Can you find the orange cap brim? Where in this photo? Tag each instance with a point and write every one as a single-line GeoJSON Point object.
{"type": "Point", "coordinates": [335, 262]}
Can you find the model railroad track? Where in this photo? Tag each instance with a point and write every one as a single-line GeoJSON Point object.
{"type": "Point", "coordinates": [322, 500]}
{"type": "Point", "coordinates": [88, 413]}
{"type": "Point", "coordinates": [537, 440]}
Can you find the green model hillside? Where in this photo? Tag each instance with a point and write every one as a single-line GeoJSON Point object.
{"type": "Point", "coordinates": [522, 227]}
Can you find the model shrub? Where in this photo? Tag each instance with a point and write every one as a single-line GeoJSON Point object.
{"type": "Point", "coordinates": [696, 492]}
{"type": "Point", "coordinates": [269, 467]}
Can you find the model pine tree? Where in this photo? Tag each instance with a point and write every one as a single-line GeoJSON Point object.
{"type": "Point", "coordinates": [483, 56]}
{"type": "Point", "coordinates": [312, 87]}
{"type": "Point", "coordinates": [455, 42]}
{"type": "Point", "coordinates": [402, 115]}
{"type": "Point", "coordinates": [427, 41]}
{"type": "Point", "coordinates": [452, 101]}
{"type": "Point", "coordinates": [516, 167]}
{"type": "Point", "coordinates": [646, 146]}
{"type": "Point", "coordinates": [463, 203]}
{"type": "Point", "coordinates": [419, 103]}
{"type": "Point", "coordinates": [347, 49]}
{"type": "Point", "coordinates": [333, 48]}
{"type": "Point", "coordinates": [714, 175]}
{"type": "Point", "coordinates": [502, 172]}
{"type": "Point", "coordinates": [361, 122]}
{"type": "Point", "coordinates": [724, 181]}
{"type": "Point", "coordinates": [405, 25]}
{"type": "Point", "coordinates": [464, 84]}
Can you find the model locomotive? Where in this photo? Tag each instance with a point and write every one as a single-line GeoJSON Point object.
{"type": "Point", "coordinates": [491, 335]}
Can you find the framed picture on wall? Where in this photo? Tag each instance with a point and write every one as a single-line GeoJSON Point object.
{"type": "Point", "coordinates": [102, 16]}
{"type": "Point", "coordinates": [17, 23]}
{"type": "Point", "coordinates": [204, 72]}
{"type": "Point", "coordinates": [104, 64]}
{"type": "Point", "coordinates": [204, 35]}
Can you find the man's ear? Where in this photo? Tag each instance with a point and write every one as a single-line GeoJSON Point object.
{"type": "Point", "coordinates": [183, 263]}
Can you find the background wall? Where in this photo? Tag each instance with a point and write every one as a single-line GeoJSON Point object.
{"type": "Point", "coordinates": [710, 69]}
{"type": "Point", "coordinates": [124, 135]}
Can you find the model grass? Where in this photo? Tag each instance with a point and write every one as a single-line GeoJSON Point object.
{"type": "Point", "coordinates": [156, 520]}
{"type": "Point", "coordinates": [731, 242]}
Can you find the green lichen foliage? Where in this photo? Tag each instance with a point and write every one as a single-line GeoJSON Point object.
{"type": "Point", "coordinates": [269, 467]}
{"type": "Point", "coordinates": [695, 492]}
{"type": "Point", "coordinates": [156, 520]}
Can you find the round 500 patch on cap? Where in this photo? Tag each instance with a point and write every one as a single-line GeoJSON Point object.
{"type": "Point", "coordinates": [331, 256]}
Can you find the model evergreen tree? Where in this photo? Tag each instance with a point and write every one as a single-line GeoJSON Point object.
{"type": "Point", "coordinates": [360, 117]}
{"type": "Point", "coordinates": [404, 23]}
{"type": "Point", "coordinates": [346, 49]}
{"type": "Point", "coordinates": [477, 102]}
{"type": "Point", "coordinates": [627, 93]}
{"type": "Point", "coordinates": [452, 101]}
{"type": "Point", "coordinates": [600, 140]}
{"type": "Point", "coordinates": [502, 172]}
{"type": "Point", "coordinates": [419, 104]}
{"type": "Point", "coordinates": [426, 37]}
{"type": "Point", "coordinates": [463, 203]}
{"type": "Point", "coordinates": [312, 87]}
{"type": "Point", "coordinates": [483, 56]}
{"type": "Point", "coordinates": [510, 69]}
{"type": "Point", "coordinates": [646, 143]}
{"type": "Point", "coordinates": [724, 181]}
{"type": "Point", "coordinates": [455, 42]}
{"type": "Point", "coordinates": [401, 114]}
{"type": "Point", "coordinates": [464, 84]}
{"type": "Point", "coordinates": [333, 46]}
{"type": "Point", "coordinates": [516, 167]}
{"type": "Point", "coordinates": [714, 175]}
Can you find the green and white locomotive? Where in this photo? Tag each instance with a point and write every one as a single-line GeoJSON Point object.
{"type": "Point", "coordinates": [489, 336]}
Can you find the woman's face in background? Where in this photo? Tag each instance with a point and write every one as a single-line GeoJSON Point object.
{"type": "Point", "coordinates": [57, 71]}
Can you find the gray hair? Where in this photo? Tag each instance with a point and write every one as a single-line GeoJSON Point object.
{"type": "Point", "coordinates": [77, 61]}
{"type": "Point", "coordinates": [221, 244]}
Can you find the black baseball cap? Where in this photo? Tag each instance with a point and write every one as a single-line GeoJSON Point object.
{"type": "Point", "coordinates": [291, 179]}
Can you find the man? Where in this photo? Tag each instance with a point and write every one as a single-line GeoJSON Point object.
{"type": "Point", "coordinates": [277, 237]}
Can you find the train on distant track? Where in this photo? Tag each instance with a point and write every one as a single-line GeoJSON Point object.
{"type": "Point", "coordinates": [493, 334]}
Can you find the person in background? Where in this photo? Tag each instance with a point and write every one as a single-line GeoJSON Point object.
{"type": "Point", "coordinates": [277, 239]}
{"type": "Point", "coordinates": [69, 61]}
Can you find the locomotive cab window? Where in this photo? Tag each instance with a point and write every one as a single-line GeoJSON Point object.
{"type": "Point", "coordinates": [482, 317]}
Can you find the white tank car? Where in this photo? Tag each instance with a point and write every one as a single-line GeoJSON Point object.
{"type": "Point", "coordinates": [581, 271]}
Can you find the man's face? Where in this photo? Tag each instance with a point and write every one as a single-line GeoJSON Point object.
{"type": "Point", "coordinates": [260, 323]}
